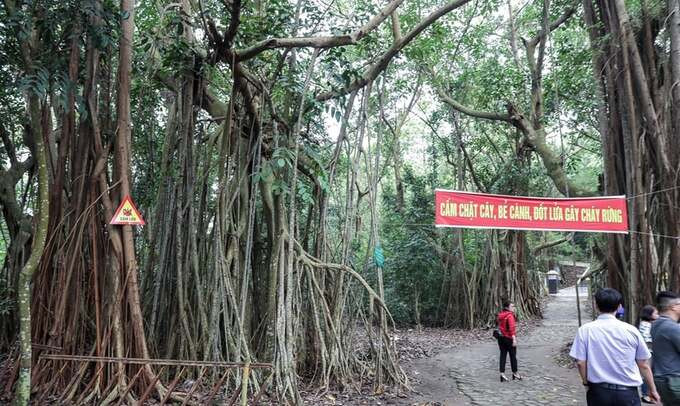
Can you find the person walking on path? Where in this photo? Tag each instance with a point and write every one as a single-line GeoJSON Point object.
{"type": "Point", "coordinates": [507, 342]}
{"type": "Point", "coordinates": [666, 357]}
{"type": "Point", "coordinates": [612, 356]}
{"type": "Point", "coordinates": [647, 316]}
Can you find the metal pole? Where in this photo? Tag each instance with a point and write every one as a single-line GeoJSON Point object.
{"type": "Point", "coordinates": [590, 297]}
{"type": "Point", "coordinates": [578, 301]}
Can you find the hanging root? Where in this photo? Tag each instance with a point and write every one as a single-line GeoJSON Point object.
{"type": "Point", "coordinates": [386, 348]}
{"type": "Point", "coordinates": [316, 263]}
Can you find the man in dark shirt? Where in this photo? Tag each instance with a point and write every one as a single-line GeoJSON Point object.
{"type": "Point", "coordinates": [666, 355]}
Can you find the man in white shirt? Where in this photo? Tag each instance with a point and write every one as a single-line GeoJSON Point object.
{"type": "Point", "coordinates": [612, 356]}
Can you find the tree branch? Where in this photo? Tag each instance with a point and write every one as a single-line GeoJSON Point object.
{"type": "Point", "coordinates": [401, 118]}
{"type": "Point", "coordinates": [381, 64]}
{"type": "Point", "coordinates": [234, 22]}
{"type": "Point", "coordinates": [468, 161]}
{"type": "Point", "coordinates": [544, 36]}
{"type": "Point", "coordinates": [320, 42]}
{"type": "Point", "coordinates": [551, 161]}
{"type": "Point", "coordinates": [535, 137]}
{"type": "Point", "coordinates": [444, 144]}
{"type": "Point", "coordinates": [552, 244]}
{"type": "Point", "coordinates": [9, 145]}
{"type": "Point", "coordinates": [470, 112]}
{"type": "Point", "coordinates": [513, 36]}
{"type": "Point", "coordinates": [556, 24]}
{"type": "Point", "coordinates": [11, 209]}
{"type": "Point", "coordinates": [396, 26]}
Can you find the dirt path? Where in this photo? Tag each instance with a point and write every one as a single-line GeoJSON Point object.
{"type": "Point", "coordinates": [469, 375]}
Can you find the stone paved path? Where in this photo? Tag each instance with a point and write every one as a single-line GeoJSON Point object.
{"type": "Point", "coordinates": [469, 376]}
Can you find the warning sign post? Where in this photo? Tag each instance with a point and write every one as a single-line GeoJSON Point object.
{"type": "Point", "coordinates": [127, 214]}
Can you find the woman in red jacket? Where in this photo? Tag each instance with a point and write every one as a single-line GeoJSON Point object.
{"type": "Point", "coordinates": [508, 341]}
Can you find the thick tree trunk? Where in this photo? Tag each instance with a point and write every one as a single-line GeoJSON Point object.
{"type": "Point", "coordinates": [23, 388]}
{"type": "Point", "coordinates": [674, 196]}
{"type": "Point", "coordinates": [639, 155]}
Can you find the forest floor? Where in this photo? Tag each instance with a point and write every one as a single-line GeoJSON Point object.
{"type": "Point", "coordinates": [458, 367]}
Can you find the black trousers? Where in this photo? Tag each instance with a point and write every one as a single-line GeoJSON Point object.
{"type": "Point", "coordinates": [599, 396]}
{"type": "Point", "coordinates": [505, 345]}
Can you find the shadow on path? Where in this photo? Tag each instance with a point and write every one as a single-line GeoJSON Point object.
{"type": "Point", "coordinates": [469, 375]}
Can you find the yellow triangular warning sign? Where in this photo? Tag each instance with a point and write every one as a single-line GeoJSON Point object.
{"type": "Point", "coordinates": [127, 214]}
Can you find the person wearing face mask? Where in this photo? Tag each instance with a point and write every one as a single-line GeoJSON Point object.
{"type": "Point", "coordinates": [666, 355]}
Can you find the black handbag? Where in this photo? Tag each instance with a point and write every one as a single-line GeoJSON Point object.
{"type": "Point", "coordinates": [497, 331]}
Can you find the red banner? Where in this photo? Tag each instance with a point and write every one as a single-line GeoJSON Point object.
{"type": "Point", "coordinates": [606, 214]}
